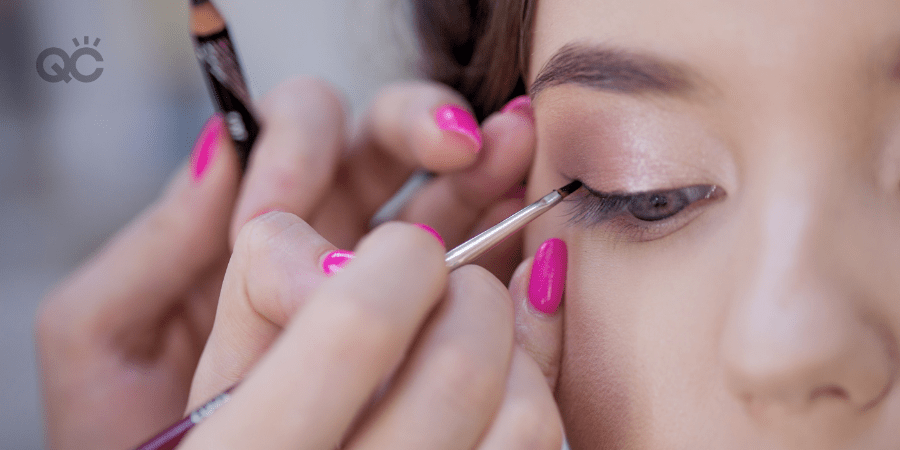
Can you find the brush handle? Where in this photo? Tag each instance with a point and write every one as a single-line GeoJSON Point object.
{"type": "Point", "coordinates": [488, 239]}
{"type": "Point", "coordinates": [169, 438]}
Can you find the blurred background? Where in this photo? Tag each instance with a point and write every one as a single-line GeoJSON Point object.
{"type": "Point", "coordinates": [80, 159]}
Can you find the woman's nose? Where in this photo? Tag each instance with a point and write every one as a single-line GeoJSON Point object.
{"type": "Point", "coordinates": [799, 353]}
{"type": "Point", "coordinates": [798, 340]}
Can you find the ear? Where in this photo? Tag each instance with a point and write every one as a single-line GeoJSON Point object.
{"type": "Point", "coordinates": [537, 290]}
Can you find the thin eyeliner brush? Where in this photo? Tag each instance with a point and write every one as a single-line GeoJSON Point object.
{"type": "Point", "coordinates": [459, 256]}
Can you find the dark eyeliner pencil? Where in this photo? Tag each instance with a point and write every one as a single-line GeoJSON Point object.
{"type": "Point", "coordinates": [223, 74]}
{"type": "Point", "coordinates": [459, 256]}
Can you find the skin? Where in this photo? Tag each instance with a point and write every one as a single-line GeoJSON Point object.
{"type": "Point", "coordinates": [766, 317]}
{"type": "Point", "coordinates": [206, 289]}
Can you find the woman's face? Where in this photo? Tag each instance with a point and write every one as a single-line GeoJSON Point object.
{"type": "Point", "coordinates": [738, 287]}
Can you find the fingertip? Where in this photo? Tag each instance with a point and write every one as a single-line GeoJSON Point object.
{"type": "Point", "coordinates": [454, 119]}
{"type": "Point", "coordinates": [433, 233]}
{"type": "Point", "coordinates": [336, 260]}
{"type": "Point", "coordinates": [521, 106]}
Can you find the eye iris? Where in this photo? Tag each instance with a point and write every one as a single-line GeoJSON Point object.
{"type": "Point", "coordinates": [657, 205]}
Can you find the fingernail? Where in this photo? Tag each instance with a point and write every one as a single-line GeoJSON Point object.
{"type": "Point", "coordinates": [458, 120]}
{"type": "Point", "coordinates": [335, 261]}
{"type": "Point", "coordinates": [205, 148]}
{"type": "Point", "coordinates": [520, 105]}
{"type": "Point", "coordinates": [432, 231]}
{"type": "Point", "coordinates": [548, 276]}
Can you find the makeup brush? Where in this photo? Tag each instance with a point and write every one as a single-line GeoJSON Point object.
{"type": "Point", "coordinates": [459, 256]}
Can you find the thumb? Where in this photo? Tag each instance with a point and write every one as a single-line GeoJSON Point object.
{"type": "Point", "coordinates": [537, 290]}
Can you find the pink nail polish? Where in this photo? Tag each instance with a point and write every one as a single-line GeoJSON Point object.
{"type": "Point", "coordinates": [458, 120]}
{"type": "Point", "coordinates": [206, 146]}
{"type": "Point", "coordinates": [432, 231]}
{"type": "Point", "coordinates": [520, 105]}
{"type": "Point", "coordinates": [335, 261]}
{"type": "Point", "coordinates": [548, 276]}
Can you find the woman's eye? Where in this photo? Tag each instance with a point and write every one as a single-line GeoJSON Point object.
{"type": "Point", "coordinates": [653, 206]}
{"type": "Point", "coordinates": [644, 215]}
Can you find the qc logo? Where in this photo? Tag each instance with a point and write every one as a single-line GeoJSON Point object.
{"type": "Point", "coordinates": [69, 69]}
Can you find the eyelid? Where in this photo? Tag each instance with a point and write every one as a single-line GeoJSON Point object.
{"type": "Point", "coordinates": [593, 208]}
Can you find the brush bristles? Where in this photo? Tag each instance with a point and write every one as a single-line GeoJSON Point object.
{"type": "Point", "coordinates": [569, 188]}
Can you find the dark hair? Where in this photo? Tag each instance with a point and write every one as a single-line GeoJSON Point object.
{"type": "Point", "coordinates": [478, 47]}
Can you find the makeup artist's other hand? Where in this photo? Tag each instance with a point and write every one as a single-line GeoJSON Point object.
{"type": "Point", "coordinates": [391, 352]}
{"type": "Point", "coordinates": [408, 125]}
{"type": "Point", "coordinates": [118, 341]}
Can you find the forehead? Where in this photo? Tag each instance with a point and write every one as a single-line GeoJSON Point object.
{"type": "Point", "coordinates": [760, 33]}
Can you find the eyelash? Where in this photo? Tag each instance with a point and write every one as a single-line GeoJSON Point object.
{"type": "Point", "coordinates": [639, 216]}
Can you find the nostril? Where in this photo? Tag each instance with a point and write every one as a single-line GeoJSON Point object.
{"type": "Point", "coordinates": [829, 392]}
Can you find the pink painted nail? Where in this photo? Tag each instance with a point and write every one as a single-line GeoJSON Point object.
{"type": "Point", "coordinates": [520, 105]}
{"type": "Point", "coordinates": [453, 118]}
{"type": "Point", "coordinates": [335, 261]}
{"type": "Point", "coordinates": [205, 147]}
{"type": "Point", "coordinates": [548, 276]}
{"type": "Point", "coordinates": [432, 231]}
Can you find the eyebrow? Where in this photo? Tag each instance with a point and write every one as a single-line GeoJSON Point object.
{"type": "Point", "coordinates": [615, 70]}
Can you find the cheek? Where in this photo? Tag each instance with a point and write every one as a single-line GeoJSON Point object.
{"type": "Point", "coordinates": [641, 345]}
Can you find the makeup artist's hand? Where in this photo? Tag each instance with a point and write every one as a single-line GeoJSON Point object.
{"type": "Point", "coordinates": [337, 185]}
{"type": "Point", "coordinates": [119, 340]}
{"type": "Point", "coordinates": [390, 352]}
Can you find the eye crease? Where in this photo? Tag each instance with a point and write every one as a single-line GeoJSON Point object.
{"type": "Point", "coordinates": [650, 214]}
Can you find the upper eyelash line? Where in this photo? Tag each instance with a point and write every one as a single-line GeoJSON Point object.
{"type": "Point", "coordinates": [597, 205]}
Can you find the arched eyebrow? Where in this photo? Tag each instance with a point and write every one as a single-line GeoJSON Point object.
{"type": "Point", "coordinates": [615, 70]}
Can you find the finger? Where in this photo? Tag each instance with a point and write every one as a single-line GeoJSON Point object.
{"type": "Point", "coordinates": [155, 260]}
{"type": "Point", "coordinates": [276, 265]}
{"type": "Point", "coordinates": [537, 290]}
{"type": "Point", "coordinates": [448, 390]}
{"type": "Point", "coordinates": [452, 204]}
{"type": "Point", "coordinates": [352, 332]}
{"type": "Point", "coordinates": [408, 126]}
{"type": "Point", "coordinates": [294, 160]}
{"type": "Point", "coordinates": [528, 417]}
{"type": "Point", "coordinates": [421, 124]}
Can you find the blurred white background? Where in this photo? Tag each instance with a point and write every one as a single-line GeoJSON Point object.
{"type": "Point", "coordinates": [80, 159]}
